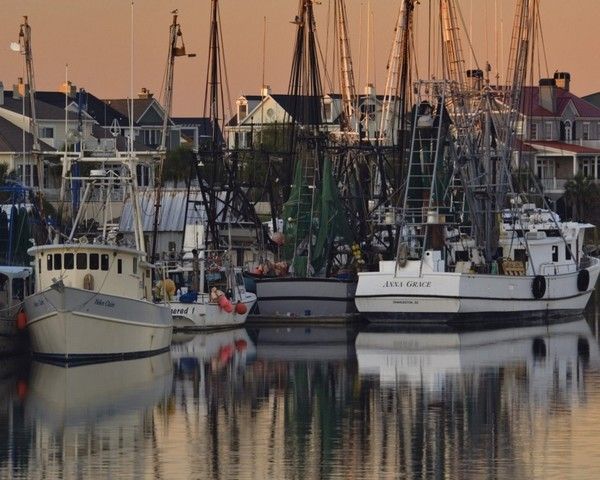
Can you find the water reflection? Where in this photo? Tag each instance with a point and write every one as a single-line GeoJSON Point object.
{"type": "Point", "coordinates": [312, 402]}
{"type": "Point", "coordinates": [87, 420]}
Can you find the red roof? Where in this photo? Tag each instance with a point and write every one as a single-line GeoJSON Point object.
{"type": "Point", "coordinates": [530, 104]}
{"type": "Point", "coordinates": [567, 147]}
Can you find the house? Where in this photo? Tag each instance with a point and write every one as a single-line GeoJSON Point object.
{"type": "Point", "coordinates": [560, 133]}
{"type": "Point", "coordinates": [270, 112]}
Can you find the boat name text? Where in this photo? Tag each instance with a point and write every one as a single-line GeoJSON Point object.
{"type": "Point", "coordinates": [104, 303]}
{"type": "Point", "coordinates": [407, 284]}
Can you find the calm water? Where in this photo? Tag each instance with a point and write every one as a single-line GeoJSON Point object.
{"type": "Point", "coordinates": [316, 402]}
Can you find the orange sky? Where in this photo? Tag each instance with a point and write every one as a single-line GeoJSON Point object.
{"type": "Point", "coordinates": [92, 36]}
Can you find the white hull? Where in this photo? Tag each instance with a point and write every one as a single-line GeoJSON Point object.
{"type": "Point", "coordinates": [73, 324]}
{"type": "Point", "coordinates": [406, 295]}
{"type": "Point", "coordinates": [305, 296]}
{"type": "Point", "coordinates": [203, 314]}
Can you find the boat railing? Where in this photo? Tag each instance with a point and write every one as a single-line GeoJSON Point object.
{"type": "Point", "coordinates": [551, 268]}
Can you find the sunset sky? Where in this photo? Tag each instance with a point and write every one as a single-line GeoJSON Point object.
{"type": "Point", "coordinates": [92, 36]}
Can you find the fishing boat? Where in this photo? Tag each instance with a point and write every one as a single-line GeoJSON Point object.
{"type": "Point", "coordinates": [311, 277]}
{"type": "Point", "coordinates": [208, 298]}
{"type": "Point", "coordinates": [93, 295]}
{"type": "Point", "coordinates": [472, 244]}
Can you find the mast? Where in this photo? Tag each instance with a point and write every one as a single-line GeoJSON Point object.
{"type": "Point", "coordinates": [26, 49]}
{"type": "Point", "coordinates": [176, 49]}
{"type": "Point", "coordinates": [346, 71]}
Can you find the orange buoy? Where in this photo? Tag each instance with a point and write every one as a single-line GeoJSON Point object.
{"type": "Point", "coordinates": [225, 304]}
{"type": "Point", "coordinates": [225, 353]}
{"type": "Point", "coordinates": [241, 345]}
{"type": "Point", "coordinates": [21, 320]}
{"type": "Point", "coordinates": [240, 308]}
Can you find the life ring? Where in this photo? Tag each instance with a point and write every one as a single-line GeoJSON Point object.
{"type": "Point", "coordinates": [402, 254]}
{"type": "Point", "coordinates": [538, 287]}
{"type": "Point", "coordinates": [583, 280]}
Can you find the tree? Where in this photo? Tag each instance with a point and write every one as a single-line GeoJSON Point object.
{"type": "Point", "coordinates": [580, 193]}
{"type": "Point", "coordinates": [177, 165]}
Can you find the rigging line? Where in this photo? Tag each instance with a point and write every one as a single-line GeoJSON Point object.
{"type": "Point", "coordinates": [541, 30]}
{"type": "Point", "coordinates": [226, 76]}
{"type": "Point", "coordinates": [462, 21]}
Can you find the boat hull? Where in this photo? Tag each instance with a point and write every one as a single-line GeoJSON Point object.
{"type": "Point", "coordinates": [203, 314]}
{"type": "Point", "coordinates": [447, 297]}
{"type": "Point", "coordinates": [73, 324]}
{"type": "Point", "coordinates": [305, 296]}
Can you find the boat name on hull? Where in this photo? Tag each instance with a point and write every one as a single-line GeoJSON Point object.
{"type": "Point", "coordinates": [407, 284]}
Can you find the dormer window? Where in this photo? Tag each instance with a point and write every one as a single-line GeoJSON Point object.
{"type": "Point", "coordinates": [242, 111]}
{"type": "Point", "coordinates": [327, 109]}
{"type": "Point", "coordinates": [568, 131]}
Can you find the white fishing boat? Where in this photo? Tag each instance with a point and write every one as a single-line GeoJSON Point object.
{"type": "Point", "coordinates": [219, 299]}
{"type": "Point", "coordinates": [93, 292]}
{"type": "Point", "coordinates": [474, 239]}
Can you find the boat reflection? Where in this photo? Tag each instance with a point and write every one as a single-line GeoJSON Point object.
{"type": "Point", "coordinates": [95, 395]}
{"type": "Point", "coordinates": [307, 342]}
{"type": "Point", "coordinates": [548, 356]}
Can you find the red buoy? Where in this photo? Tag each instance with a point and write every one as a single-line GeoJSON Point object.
{"type": "Point", "coordinates": [225, 304]}
{"type": "Point", "coordinates": [240, 308]}
{"type": "Point", "coordinates": [21, 320]}
{"type": "Point", "coordinates": [21, 389]}
{"type": "Point", "coordinates": [241, 345]}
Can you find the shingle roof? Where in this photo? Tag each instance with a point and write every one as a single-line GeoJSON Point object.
{"type": "Point", "coordinates": [11, 138]}
{"type": "Point", "coordinates": [122, 105]}
{"type": "Point", "coordinates": [565, 147]}
{"type": "Point", "coordinates": [43, 110]}
{"type": "Point", "coordinates": [530, 104]}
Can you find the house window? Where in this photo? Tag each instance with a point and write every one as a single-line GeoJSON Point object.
{"type": "Point", "coordinates": [585, 131]}
{"type": "Point", "coordinates": [327, 111]}
{"type": "Point", "coordinates": [586, 167]}
{"type": "Point", "coordinates": [548, 130]}
{"type": "Point", "coordinates": [533, 131]}
{"type": "Point", "coordinates": [143, 175]}
{"type": "Point", "coordinates": [152, 137]}
{"type": "Point", "coordinates": [46, 132]}
{"type": "Point", "coordinates": [568, 131]}
{"type": "Point", "coordinates": [242, 111]}
{"type": "Point", "coordinates": [545, 168]}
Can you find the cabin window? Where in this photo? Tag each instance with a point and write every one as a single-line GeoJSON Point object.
{"type": "Point", "coordinates": [94, 261]}
{"type": "Point", "coordinates": [148, 273]}
{"type": "Point", "coordinates": [57, 261]}
{"type": "Point", "coordinates": [81, 261]}
{"type": "Point", "coordinates": [568, 252]}
{"type": "Point", "coordinates": [119, 265]}
{"type": "Point", "coordinates": [39, 265]}
{"type": "Point", "coordinates": [104, 261]}
{"type": "Point", "coordinates": [69, 261]}
{"type": "Point", "coordinates": [520, 255]}
{"type": "Point", "coordinates": [555, 253]}
{"type": "Point", "coordinates": [49, 262]}
{"type": "Point", "coordinates": [134, 265]}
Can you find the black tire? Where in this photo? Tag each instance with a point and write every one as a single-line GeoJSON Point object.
{"type": "Point", "coordinates": [538, 287]}
{"type": "Point", "coordinates": [583, 280]}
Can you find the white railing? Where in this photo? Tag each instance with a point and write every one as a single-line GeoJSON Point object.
{"type": "Point", "coordinates": [553, 183]}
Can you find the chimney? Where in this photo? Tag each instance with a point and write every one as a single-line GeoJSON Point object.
{"type": "Point", "coordinates": [563, 80]}
{"type": "Point", "coordinates": [1, 93]}
{"type": "Point", "coordinates": [370, 90]}
{"type": "Point", "coordinates": [22, 87]}
{"type": "Point", "coordinates": [145, 93]}
{"type": "Point", "coordinates": [475, 79]}
{"type": "Point", "coordinates": [265, 90]}
{"type": "Point", "coordinates": [68, 88]}
{"type": "Point", "coordinates": [548, 94]}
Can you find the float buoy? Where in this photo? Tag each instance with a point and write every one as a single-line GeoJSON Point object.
{"type": "Point", "coordinates": [21, 320]}
{"type": "Point", "coordinates": [402, 254]}
{"type": "Point", "coordinates": [241, 345]}
{"type": "Point", "coordinates": [225, 304]}
{"type": "Point", "coordinates": [583, 280]}
{"type": "Point", "coordinates": [240, 308]}
{"type": "Point", "coordinates": [538, 287]}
